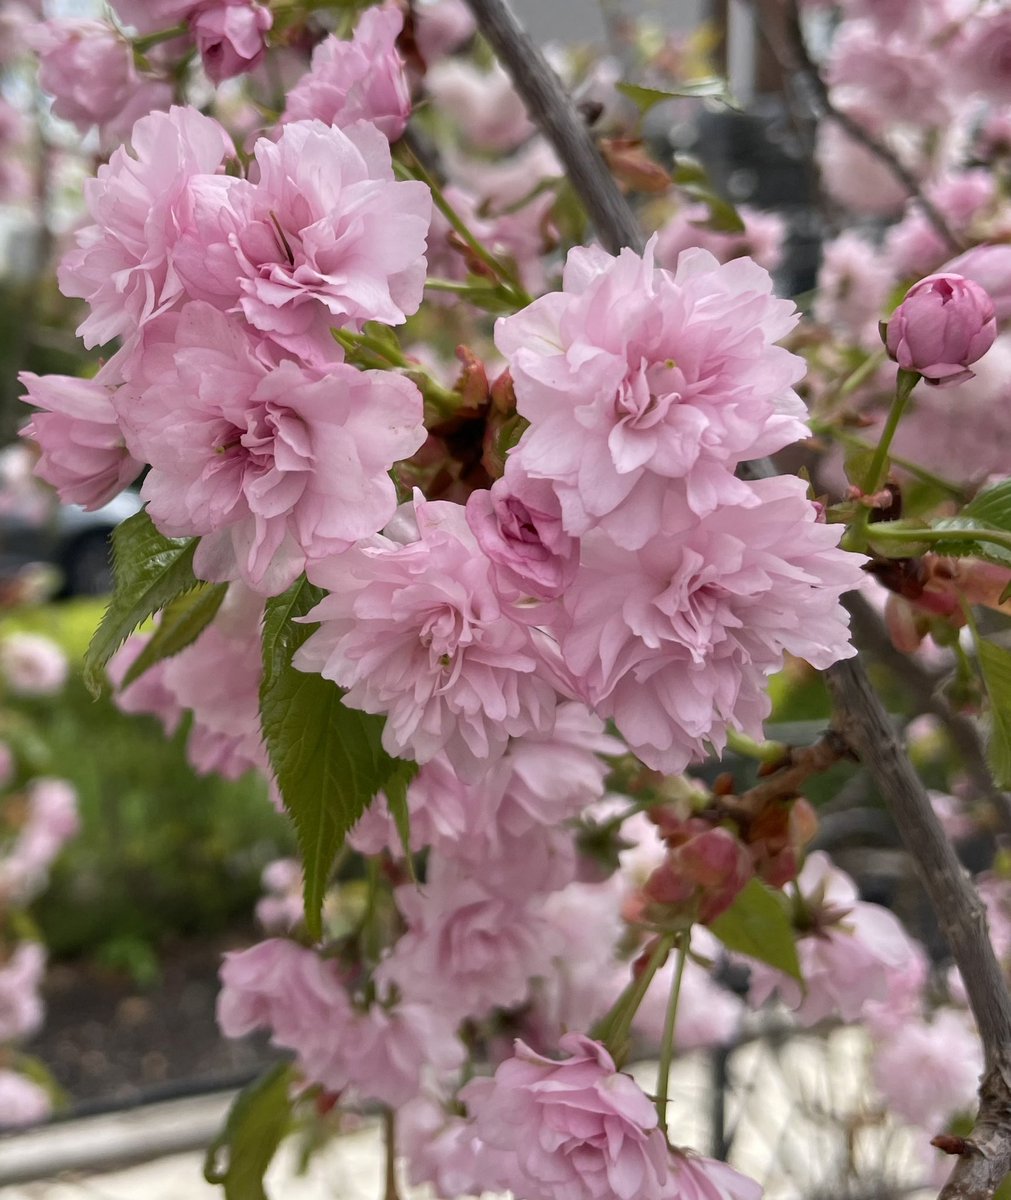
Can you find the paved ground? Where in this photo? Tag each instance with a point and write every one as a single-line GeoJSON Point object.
{"type": "Point", "coordinates": [800, 1113]}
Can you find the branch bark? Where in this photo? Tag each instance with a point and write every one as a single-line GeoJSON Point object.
{"type": "Point", "coordinates": [859, 714]}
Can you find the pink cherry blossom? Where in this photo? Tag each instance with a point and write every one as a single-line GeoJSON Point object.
{"type": "Point", "coordinates": [674, 642]}
{"type": "Point", "coordinates": [147, 694]}
{"type": "Point", "coordinates": [855, 177]}
{"type": "Point", "coordinates": [32, 664]}
{"type": "Point", "coordinates": [230, 36]}
{"type": "Point", "coordinates": [20, 1003]}
{"type": "Point", "coordinates": [853, 288]}
{"type": "Point", "coordinates": [51, 821]}
{"type": "Point", "coordinates": [634, 377]}
{"type": "Point", "coordinates": [288, 989]}
{"type": "Point", "coordinates": [123, 265]}
{"type": "Point", "coordinates": [483, 103]}
{"type": "Point", "coordinates": [153, 16]}
{"type": "Point", "coordinates": [83, 454]}
{"type": "Point", "coordinates": [990, 267]}
{"type": "Point", "coordinates": [845, 964]}
{"type": "Point", "coordinates": [928, 1072]}
{"type": "Point", "coordinates": [944, 324]}
{"type": "Point", "coordinates": [440, 26]}
{"type": "Point", "coordinates": [761, 239]}
{"type": "Point", "coordinates": [282, 908]}
{"type": "Point", "coordinates": [269, 467]}
{"type": "Point", "coordinates": [518, 525]}
{"type": "Point", "coordinates": [983, 55]}
{"type": "Point", "coordinates": [467, 950]}
{"type": "Point", "coordinates": [22, 1101]}
{"type": "Point", "coordinates": [324, 237]}
{"type": "Point", "coordinates": [575, 1127]}
{"type": "Point", "coordinates": [416, 631]}
{"type": "Point", "coordinates": [358, 80]}
{"type": "Point", "coordinates": [696, 1178]}
{"type": "Point", "coordinates": [87, 67]}
{"type": "Point", "coordinates": [442, 1149]}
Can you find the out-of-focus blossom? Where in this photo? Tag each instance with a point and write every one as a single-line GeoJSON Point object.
{"type": "Point", "coordinates": [990, 267]}
{"type": "Point", "coordinates": [282, 908]}
{"type": "Point", "coordinates": [358, 80]}
{"type": "Point", "coordinates": [441, 26]}
{"type": "Point", "coordinates": [761, 240]}
{"type": "Point", "coordinates": [32, 665]}
{"type": "Point", "coordinates": [22, 1101]}
{"type": "Point", "coordinates": [83, 453]}
{"type": "Point", "coordinates": [50, 822]}
{"type": "Point", "coordinates": [928, 1072]}
{"type": "Point", "coordinates": [944, 324]}
{"type": "Point", "coordinates": [88, 69]}
{"type": "Point", "coordinates": [854, 176]}
{"type": "Point", "coordinates": [230, 36]}
{"type": "Point", "coordinates": [20, 1003]}
{"type": "Point", "coordinates": [983, 55]}
{"type": "Point", "coordinates": [483, 103]}
{"type": "Point", "coordinates": [696, 1178]}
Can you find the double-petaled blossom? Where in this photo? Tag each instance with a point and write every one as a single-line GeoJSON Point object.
{"type": "Point", "coordinates": [324, 237]}
{"type": "Point", "coordinates": [574, 1127]}
{"type": "Point", "coordinates": [230, 35]}
{"type": "Point", "coordinates": [88, 69]}
{"type": "Point", "coordinates": [417, 632]}
{"type": "Point", "coordinates": [467, 949]}
{"type": "Point", "coordinates": [645, 388]}
{"type": "Point", "coordinates": [123, 266]}
{"type": "Point", "coordinates": [270, 466]}
{"type": "Point", "coordinates": [82, 450]}
{"type": "Point", "coordinates": [675, 641]}
{"type": "Point", "coordinates": [358, 80]}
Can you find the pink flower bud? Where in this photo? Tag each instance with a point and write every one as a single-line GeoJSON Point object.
{"type": "Point", "coordinates": [945, 323]}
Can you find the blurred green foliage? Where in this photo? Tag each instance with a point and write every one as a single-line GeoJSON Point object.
{"type": "Point", "coordinates": [162, 852]}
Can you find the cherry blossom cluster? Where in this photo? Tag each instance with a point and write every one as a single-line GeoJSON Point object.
{"type": "Point", "coordinates": [554, 591]}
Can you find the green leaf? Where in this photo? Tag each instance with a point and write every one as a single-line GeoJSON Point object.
{"type": "Point", "coordinates": [257, 1122]}
{"type": "Point", "coordinates": [964, 545]}
{"type": "Point", "coordinates": [757, 924]}
{"type": "Point", "coordinates": [182, 622]}
{"type": "Point", "coordinates": [395, 790]}
{"type": "Point", "coordinates": [711, 87]}
{"type": "Point", "coordinates": [992, 507]}
{"type": "Point", "coordinates": [691, 178]}
{"type": "Point", "coordinates": [995, 667]}
{"type": "Point", "coordinates": [150, 571]}
{"type": "Point", "coordinates": [328, 759]}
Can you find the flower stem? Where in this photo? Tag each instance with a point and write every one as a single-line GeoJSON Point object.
{"type": "Point", "coordinates": [670, 1020]}
{"type": "Point", "coordinates": [878, 470]}
{"type": "Point", "coordinates": [613, 1029]}
{"type": "Point", "coordinates": [142, 45]}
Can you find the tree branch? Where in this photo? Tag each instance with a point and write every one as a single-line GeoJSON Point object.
{"type": "Point", "coordinates": [800, 61]}
{"type": "Point", "coordinates": [862, 720]}
{"type": "Point", "coordinates": [554, 113]}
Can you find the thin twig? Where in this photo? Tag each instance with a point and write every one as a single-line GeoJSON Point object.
{"type": "Point", "coordinates": [862, 720]}
{"type": "Point", "coordinates": [554, 113]}
{"type": "Point", "coordinates": [871, 636]}
{"type": "Point", "coordinates": [807, 71]}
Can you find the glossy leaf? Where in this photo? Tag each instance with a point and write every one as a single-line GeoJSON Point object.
{"type": "Point", "coordinates": [757, 924]}
{"type": "Point", "coordinates": [150, 572]}
{"type": "Point", "coordinates": [257, 1122]}
{"type": "Point", "coordinates": [328, 759]}
{"type": "Point", "coordinates": [182, 622]}
{"type": "Point", "coordinates": [995, 667]}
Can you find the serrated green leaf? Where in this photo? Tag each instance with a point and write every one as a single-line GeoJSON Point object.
{"type": "Point", "coordinates": [964, 545]}
{"type": "Point", "coordinates": [992, 507]}
{"type": "Point", "coordinates": [150, 571]}
{"type": "Point", "coordinates": [995, 667]}
{"type": "Point", "coordinates": [328, 759]}
{"type": "Point", "coordinates": [757, 924]}
{"type": "Point", "coordinates": [182, 622]}
{"type": "Point", "coordinates": [711, 87]}
{"type": "Point", "coordinates": [257, 1121]}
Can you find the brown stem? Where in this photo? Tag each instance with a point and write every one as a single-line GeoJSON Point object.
{"type": "Point", "coordinates": [871, 636]}
{"type": "Point", "coordinates": [804, 66]}
{"type": "Point", "coordinates": [554, 113]}
{"type": "Point", "coordinates": [785, 782]}
{"type": "Point", "coordinates": [863, 722]}
{"type": "Point", "coordinates": [390, 1131]}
